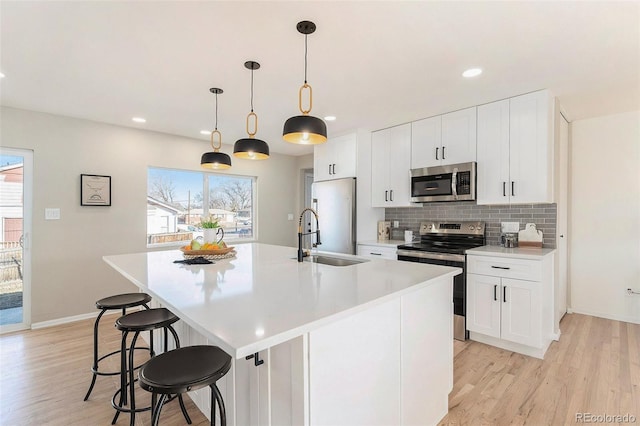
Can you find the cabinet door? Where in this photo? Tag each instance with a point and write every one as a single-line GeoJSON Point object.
{"type": "Point", "coordinates": [425, 138]}
{"type": "Point", "coordinates": [530, 142]}
{"type": "Point", "coordinates": [335, 159]}
{"type": "Point", "coordinates": [343, 163]}
{"type": "Point", "coordinates": [459, 136]}
{"type": "Point", "coordinates": [399, 165]}
{"type": "Point", "coordinates": [483, 304]}
{"type": "Point", "coordinates": [380, 168]}
{"type": "Point", "coordinates": [521, 311]}
{"type": "Point", "coordinates": [322, 155]}
{"type": "Point", "coordinates": [493, 153]}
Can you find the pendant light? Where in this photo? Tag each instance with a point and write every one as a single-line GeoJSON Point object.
{"type": "Point", "coordinates": [251, 148]}
{"type": "Point", "coordinates": [305, 129]}
{"type": "Point", "coordinates": [216, 159]}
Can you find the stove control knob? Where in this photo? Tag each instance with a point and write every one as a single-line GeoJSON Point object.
{"type": "Point", "coordinates": [430, 226]}
{"type": "Point", "coordinates": [471, 227]}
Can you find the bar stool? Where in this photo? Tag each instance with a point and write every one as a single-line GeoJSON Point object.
{"type": "Point", "coordinates": [136, 323]}
{"type": "Point", "coordinates": [183, 370]}
{"type": "Point", "coordinates": [119, 301]}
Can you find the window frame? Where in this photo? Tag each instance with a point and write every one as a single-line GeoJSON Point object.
{"type": "Point", "coordinates": [205, 206]}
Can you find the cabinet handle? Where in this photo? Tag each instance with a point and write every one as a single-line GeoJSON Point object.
{"type": "Point", "coordinates": [504, 189]}
{"type": "Point", "coordinates": [386, 195]}
{"type": "Point", "coordinates": [443, 153]}
{"type": "Point", "coordinates": [391, 195]}
{"type": "Point", "coordinates": [500, 267]}
{"type": "Point", "coordinates": [329, 168]}
{"type": "Point", "coordinates": [256, 359]}
{"type": "Point", "coordinates": [495, 292]}
{"type": "Point", "coordinates": [375, 254]}
{"type": "Point", "coordinates": [504, 294]}
{"type": "Point", "coordinates": [437, 153]}
{"type": "Point", "coordinates": [333, 168]}
{"type": "Point", "coordinates": [512, 190]}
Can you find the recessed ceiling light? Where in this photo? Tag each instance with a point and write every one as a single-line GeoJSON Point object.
{"type": "Point", "coordinates": [139, 120]}
{"type": "Point", "coordinates": [330, 118]}
{"type": "Point", "coordinates": [472, 72]}
{"type": "Point", "coordinates": [1, 75]}
{"type": "Point", "coordinates": [205, 132]}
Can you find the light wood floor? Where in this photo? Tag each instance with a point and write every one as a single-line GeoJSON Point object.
{"type": "Point", "coordinates": [595, 368]}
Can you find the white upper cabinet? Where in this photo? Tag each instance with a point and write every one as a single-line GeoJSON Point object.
{"type": "Point", "coordinates": [335, 158]}
{"type": "Point", "coordinates": [444, 139]}
{"type": "Point", "coordinates": [515, 150]}
{"type": "Point", "coordinates": [390, 167]}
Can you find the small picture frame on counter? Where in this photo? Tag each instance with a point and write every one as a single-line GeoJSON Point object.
{"type": "Point", "coordinates": [95, 190]}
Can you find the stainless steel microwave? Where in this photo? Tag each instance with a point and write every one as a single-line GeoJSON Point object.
{"type": "Point", "coordinates": [453, 182]}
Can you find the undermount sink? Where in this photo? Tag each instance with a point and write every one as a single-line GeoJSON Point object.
{"type": "Point", "coordinates": [333, 261]}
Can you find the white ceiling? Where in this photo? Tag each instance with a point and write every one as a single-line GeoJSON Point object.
{"type": "Point", "coordinates": [373, 64]}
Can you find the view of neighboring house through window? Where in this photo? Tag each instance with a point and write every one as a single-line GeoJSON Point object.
{"type": "Point", "coordinates": [178, 200]}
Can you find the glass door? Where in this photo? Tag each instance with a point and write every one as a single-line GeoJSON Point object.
{"type": "Point", "coordinates": [15, 230]}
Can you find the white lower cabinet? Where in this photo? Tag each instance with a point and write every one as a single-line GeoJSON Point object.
{"type": "Point", "coordinates": [511, 313]}
{"type": "Point", "coordinates": [377, 252]}
{"type": "Point", "coordinates": [504, 308]}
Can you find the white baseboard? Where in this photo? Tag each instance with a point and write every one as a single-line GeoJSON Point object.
{"type": "Point", "coordinates": [67, 320]}
{"type": "Point", "coordinates": [604, 315]}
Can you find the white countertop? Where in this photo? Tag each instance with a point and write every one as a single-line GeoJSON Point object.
{"type": "Point", "coordinates": [515, 253]}
{"type": "Point", "coordinates": [383, 243]}
{"type": "Point", "coordinates": [263, 296]}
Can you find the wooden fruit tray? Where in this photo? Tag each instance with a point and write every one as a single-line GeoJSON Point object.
{"type": "Point", "coordinates": [217, 252]}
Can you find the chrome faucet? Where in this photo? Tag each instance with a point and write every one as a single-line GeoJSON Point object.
{"type": "Point", "coordinates": [302, 254]}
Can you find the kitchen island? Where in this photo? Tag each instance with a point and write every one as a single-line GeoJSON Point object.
{"type": "Point", "coordinates": [364, 344]}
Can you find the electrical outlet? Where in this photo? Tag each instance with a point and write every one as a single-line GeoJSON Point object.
{"type": "Point", "coordinates": [290, 216]}
{"type": "Point", "coordinates": [396, 223]}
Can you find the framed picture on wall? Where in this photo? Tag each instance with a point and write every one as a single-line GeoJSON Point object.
{"type": "Point", "coordinates": [95, 190]}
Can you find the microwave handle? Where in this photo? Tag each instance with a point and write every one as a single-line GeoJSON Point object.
{"type": "Point", "coordinates": [454, 184]}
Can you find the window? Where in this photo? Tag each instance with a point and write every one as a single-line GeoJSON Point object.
{"type": "Point", "coordinates": [177, 200]}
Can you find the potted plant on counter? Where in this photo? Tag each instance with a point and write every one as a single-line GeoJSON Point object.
{"type": "Point", "coordinates": [210, 230]}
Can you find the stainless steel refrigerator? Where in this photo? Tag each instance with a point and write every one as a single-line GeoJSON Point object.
{"type": "Point", "coordinates": [335, 202]}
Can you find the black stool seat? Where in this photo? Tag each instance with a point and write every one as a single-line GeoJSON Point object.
{"type": "Point", "coordinates": [183, 370]}
{"type": "Point", "coordinates": [119, 301]}
{"type": "Point", "coordinates": [146, 320]}
{"type": "Point", "coordinates": [125, 300]}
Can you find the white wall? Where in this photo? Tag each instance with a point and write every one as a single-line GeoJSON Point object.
{"type": "Point", "coordinates": [68, 272]}
{"type": "Point", "coordinates": [604, 221]}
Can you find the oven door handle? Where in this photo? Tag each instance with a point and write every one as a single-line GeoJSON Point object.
{"type": "Point", "coordinates": [429, 255]}
{"type": "Point", "coordinates": [454, 183]}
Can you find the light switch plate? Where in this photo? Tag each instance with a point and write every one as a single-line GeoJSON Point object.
{"type": "Point", "coordinates": [290, 216]}
{"type": "Point", "coordinates": [51, 213]}
{"type": "Point", "coordinates": [509, 226]}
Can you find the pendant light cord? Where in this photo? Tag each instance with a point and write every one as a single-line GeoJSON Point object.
{"type": "Point", "coordinates": [216, 112]}
{"type": "Point", "coordinates": [252, 89]}
{"type": "Point", "coordinates": [305, 59]}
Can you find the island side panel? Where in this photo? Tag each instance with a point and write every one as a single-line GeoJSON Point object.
{"type": "Point", "coordinates": [427, 353]}
{"type": "Point", "coordinates": [354, 369]}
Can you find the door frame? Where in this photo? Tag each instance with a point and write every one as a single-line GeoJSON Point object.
{"type": "Point", "coordinates": [27, 222]}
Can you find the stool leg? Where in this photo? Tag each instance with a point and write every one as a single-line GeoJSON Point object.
{"type": "Point", "coordinates": [123, 375]}
{"type": "Point", "coordinates": [184, 409]}
{"type": "Point", "coordinates": [214, 401]}
{"type": "Point", "coordinates": [132, 388]}
{"type": "Point", "coordinates": [156, 415]}
{"type": "Point", "coordinates": [223, 414]}
{"type": "Point", "coordinates": [94, 369]}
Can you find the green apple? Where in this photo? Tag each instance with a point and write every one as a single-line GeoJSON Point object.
{"type": "Point", "coordinates": [195, 245]}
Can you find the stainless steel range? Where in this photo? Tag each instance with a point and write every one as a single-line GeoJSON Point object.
{"type": "Point", "coordinates": [444, 243]}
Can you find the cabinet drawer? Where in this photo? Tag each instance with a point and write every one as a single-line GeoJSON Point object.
{"type": "Point", "coordinates": [530, 270]}
{"type": "Point", "coordinates": [377, 251]}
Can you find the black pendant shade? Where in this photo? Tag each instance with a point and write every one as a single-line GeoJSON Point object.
{"type": "Point", "coordinates": [215, 159]}
{"type": "Point", "coordinates": [251, 148]}
{"type": "Point", "coordinates": [305, 130]}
